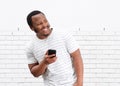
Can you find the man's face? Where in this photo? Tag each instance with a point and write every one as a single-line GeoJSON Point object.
{"type": "Point", "coordinates": [40, 25]}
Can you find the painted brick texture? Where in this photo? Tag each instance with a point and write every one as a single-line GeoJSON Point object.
{"type": "Point", "coordinates": [100, 52]}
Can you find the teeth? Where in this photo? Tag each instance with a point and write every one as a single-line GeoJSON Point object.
{"type": "Point", "coordinates": [45, 29]}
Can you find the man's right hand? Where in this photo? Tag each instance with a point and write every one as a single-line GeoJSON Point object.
{"type": "Point", "coordinates": [50, 58]}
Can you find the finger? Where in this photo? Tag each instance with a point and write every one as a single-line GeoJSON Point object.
{"type": "Point", "coordinates": [53, 55]}
{"type": "Point", "coordinates": [46, 53]}
{"type": "Point", "coordinates": [46, 56]}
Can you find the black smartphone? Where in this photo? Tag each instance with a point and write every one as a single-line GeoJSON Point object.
{"type": "Point", "coordinates": [51, 51]}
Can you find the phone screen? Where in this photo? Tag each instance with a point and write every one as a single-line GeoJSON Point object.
{"type": "Point", "coordinates": [51, 51]}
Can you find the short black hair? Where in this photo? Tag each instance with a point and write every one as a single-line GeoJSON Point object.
{"type": "Point", "coordinates": [29, 19]}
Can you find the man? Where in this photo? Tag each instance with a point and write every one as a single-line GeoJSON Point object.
{"type": "Point", "coordinates": [65, 68]}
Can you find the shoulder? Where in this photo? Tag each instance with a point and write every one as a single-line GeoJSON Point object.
{"type": "Point", "coordinates": [30, 44]}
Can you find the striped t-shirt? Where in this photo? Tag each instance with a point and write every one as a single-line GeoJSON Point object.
{"type": "Point", "coordinates": [61, 72]}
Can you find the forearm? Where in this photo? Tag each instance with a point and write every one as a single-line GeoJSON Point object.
{"type": "Point", "coordinates": [78, 65]}
{"type": "Point", "coordinates": [39, 69]}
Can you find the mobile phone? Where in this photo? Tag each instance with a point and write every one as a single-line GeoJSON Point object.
{"type": "Point", "coordinates": [51, 51]}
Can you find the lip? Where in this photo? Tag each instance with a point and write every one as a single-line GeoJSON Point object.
{"type": "Point", "coordinates": [45, 29]}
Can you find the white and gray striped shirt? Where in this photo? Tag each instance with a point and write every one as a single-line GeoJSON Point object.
{"type": "Point", "coordinates": [61, 72]}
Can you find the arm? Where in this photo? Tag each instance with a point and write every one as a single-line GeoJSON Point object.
{"type": "Point", "coordinates": [38, 69]}
{"type": "Point", "coordinates": [78, 65]}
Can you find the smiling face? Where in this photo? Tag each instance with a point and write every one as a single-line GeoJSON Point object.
{"type": "Point", "coordinates": [40, 25]}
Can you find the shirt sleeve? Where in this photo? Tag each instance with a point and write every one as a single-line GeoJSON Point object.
{"type": "Point", "coordinates": [71, 43]}
{"type": "Point", "coordinates": [29, 53]}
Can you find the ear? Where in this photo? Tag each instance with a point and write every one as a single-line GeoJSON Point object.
{"type": "Point", "coordinates": [31, 28]}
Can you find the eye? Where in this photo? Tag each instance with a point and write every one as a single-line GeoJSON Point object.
{"type": "Point", "coordinates": [39, 23]}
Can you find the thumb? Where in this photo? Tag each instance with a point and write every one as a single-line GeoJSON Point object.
{"type": "Point", "coordinates": [46, 52]}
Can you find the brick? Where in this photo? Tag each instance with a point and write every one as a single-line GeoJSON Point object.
{"type": "Point", "coordinates": [100, 52]}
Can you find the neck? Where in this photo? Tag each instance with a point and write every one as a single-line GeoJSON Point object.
{"type": "Point", "coordinates": [43, 36]}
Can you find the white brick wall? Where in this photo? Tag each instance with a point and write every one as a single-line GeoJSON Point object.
{"type": "Point", "coordinates": [100, 52]}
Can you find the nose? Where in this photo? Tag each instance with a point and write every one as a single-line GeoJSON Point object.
{"type": "Point", "coordinates": [46, 25]}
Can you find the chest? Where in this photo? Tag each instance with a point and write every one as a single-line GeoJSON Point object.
{"type": "Point", "coordinates": [40, 47]}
